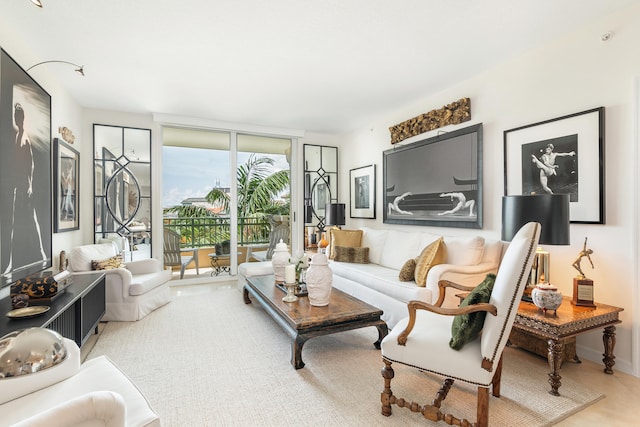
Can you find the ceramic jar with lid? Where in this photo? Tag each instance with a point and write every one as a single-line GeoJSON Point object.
{"type": "Point", "coordinates": [279, 260]}
{"type": "Point", "coordinates": [546, 297]}
{"type": "Point", "coordinates": [319, 280]}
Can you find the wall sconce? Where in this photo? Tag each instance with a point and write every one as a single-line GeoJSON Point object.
{"type": "Point", "coordinates": [37, 3]}
{"type": "Point", "coordinates": [79, 68]}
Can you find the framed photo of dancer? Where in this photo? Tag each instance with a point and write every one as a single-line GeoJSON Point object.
{"type": "Point", "coordinates": [25, 174]}
{"type": "Point", "coordinates": [66, 187]}
{"type": "Point", "coordinates": [362, 192]}
{"type": "Point", "coordinates": [436, 181]}
{"type": "Point", "coordinates": [564, 155]}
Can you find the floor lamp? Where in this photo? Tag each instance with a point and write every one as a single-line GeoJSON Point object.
{"type": "Point", "coordinates": [552, 212]}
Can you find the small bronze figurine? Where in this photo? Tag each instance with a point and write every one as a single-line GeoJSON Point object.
{"type": "Point", "coordinates": [583, 253]}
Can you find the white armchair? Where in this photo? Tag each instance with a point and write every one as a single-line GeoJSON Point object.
{"type": "Point", "coordinates": [132, 291]}
{"type": "Point", "coordinates": [73, 395]}
{"type": "Point", "coordinates": [424, 340]}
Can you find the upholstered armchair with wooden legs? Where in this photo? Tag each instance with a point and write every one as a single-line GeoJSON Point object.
{"type": "Point", "coordinates": [421, 341]}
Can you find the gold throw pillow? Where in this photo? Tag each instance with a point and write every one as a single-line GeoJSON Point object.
{"type": "Point", "coordinates": [433, 254]}
{"type": "Point", "coordinates": [345, 238]}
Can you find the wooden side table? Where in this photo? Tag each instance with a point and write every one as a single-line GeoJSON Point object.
{"type": "Point", "coordinates": [568, 321]}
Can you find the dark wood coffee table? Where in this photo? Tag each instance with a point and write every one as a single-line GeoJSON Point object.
{"type": "Point", "coordinates": [302, 321]}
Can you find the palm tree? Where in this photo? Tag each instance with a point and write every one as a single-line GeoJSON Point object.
{"type": "Point", "coordinates": [259, 187]}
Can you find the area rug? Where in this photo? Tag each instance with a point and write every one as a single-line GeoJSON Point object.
{"type": "Point", "coordinates": [209, 359]}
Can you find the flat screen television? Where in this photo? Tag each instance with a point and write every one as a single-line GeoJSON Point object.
{"type": "Point", "coordinates": [436, 181]}
{"type": "Point", "coordinates": [25, 174]}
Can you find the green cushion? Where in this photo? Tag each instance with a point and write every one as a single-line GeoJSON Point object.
{"type": "Point", "coordinates": [466, 327]}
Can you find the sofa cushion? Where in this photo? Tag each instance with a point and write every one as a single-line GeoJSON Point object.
{"type": "Point", "coordinates": [344, 238]}
{"type": "Point", "coordinates": [143, 283]}
{"type": "Point", "coordinates": [355, 255]}
{"type": "Point", "coordinates": [433, 254]}
{"type": "Point", "coordinates": [381, 279]}
{"type": "Point", "coordinates": [110, 263]}
{"type": "Point", "coordinates": [464, 250]}
{"type": "Point", "coordinates": [466, 327]}
{"type": "Point", "coordinates": [398, 247]}
{"type": "Point", "coordinates": [408, 270]}
{"type": "Point", "coordinates": [374, 240]}
{"type": "Point", "coordinates": [81, 256]}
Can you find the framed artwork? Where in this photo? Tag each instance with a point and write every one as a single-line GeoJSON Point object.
{"type": "Point", "coordinates": [436, 181]}
{"type": "Point", "coordinates": [25, 174]}
{"type": "Point", "coordinates": [564, 155]}
{"type": "Point", "coordinates": [362, 192]}
{"type": "Point", "coordinates": [66, 186]}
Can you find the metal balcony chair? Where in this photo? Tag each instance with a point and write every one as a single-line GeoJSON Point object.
{"type": "Point", "coordinates": [173, 254]}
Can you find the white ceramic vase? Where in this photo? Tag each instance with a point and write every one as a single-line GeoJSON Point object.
{"type": "Point", "coordinates": [279, 260]}
{"type": "Point", "coordinates": [319, 280]}
{"type": "Point", "coordinates": [546, 297]}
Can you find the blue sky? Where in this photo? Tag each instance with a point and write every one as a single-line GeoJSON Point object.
{"type": "Point", "coordinates": [193, 172]}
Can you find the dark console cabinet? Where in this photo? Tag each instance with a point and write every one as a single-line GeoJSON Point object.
{"type": "Point", "coordinates": [74, 314]}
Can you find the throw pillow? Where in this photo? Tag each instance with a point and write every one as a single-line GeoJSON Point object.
{"type": "Point", "coordinates": [346, 238]}
{"type": "Point", "coordinates": [108, 264]}
{"type": "Point", "coordinates": [466, 327]}
{"type": "Point", "coordinates": [354, 255]}
{"type": "Point", "coordinates": [433, 254]}
{"type": "Point", "coordinates": [407, 272]}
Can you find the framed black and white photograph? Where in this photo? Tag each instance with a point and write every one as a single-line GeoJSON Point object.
{"type": "Point", "coordinates": [25, 174]}
{"type": "Point", "coordinates": [436, 181]}
{"type": "Point", "coordinates": [564, 155]}
{"type": "Point", "coordinates": [362, 192]}
{"type": "Point", "coordinates": [66, 165]}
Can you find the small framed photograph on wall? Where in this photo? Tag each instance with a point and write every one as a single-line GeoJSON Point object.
{"type": "Point", "coordinates": [66, 187]}
{"type": "Point", "coordinates": [362, 192]}
{"type": "Point", "coordinates": [564, 155]}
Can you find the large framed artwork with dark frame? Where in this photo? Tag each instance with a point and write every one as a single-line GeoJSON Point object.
{"type": "Point", "coordinates": [25, 174]}
{"type": "Point", "coordinates": [66, 164]}
{"type": "Point", "coordinates": [436, 181]}
{"type": "Point", "coordinates": [564, 155]}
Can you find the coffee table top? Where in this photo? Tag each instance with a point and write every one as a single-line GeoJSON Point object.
{"type": "Point", "coordinates": [567, 321]}
{"type": "Point", "coordinates": [342, 308]}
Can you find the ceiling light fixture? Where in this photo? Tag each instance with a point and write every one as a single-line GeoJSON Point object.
{"type": "Point", "coordinates": [79, 69]}
{"type": "Point", "coordinates": [36, 2]}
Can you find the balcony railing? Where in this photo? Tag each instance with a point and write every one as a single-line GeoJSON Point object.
{"type": "Point", "coordinates": [209, 231]}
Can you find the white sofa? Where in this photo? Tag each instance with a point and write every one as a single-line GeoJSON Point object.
{"type": "Point", "coordinates": [468, 261]}
{"type": "Point", "coordinates": [69, 394]}
{"type": "Point", "coordinates": [132, 292]}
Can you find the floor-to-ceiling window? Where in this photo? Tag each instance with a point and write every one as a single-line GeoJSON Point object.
{"type": "Point", "coordinates": [218, 208]}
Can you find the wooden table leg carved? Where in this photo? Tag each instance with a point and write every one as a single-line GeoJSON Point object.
{"type": "Point", "coordinates": [568, 321]}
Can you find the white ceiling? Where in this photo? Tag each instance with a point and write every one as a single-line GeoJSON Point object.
{"type": "Point", "coordinates": [326, 66]}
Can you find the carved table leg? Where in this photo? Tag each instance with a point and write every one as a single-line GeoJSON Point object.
{"type": "Point", "coordinates": [554, 357]}
{"type": "Point", "coordinates": [609, 340]}
{"type": "Point", "coordinates": [383, 330]}
{"type": "Point", "coordinates": [296, 351]}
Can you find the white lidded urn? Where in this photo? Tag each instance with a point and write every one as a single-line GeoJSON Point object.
{"type": "Point", "coordinates": [319, 280]}
{"type": "Point", "coordinates": [279, 260]}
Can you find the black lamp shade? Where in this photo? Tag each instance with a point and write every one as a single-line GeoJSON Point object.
{"type": "Point", "coordinates": [334, 214]}
{"type": "Point", "coordinates": [550, 210]}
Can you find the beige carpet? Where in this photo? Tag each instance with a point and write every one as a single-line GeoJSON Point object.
{"type": "Point", "coordinates": [210, 360]}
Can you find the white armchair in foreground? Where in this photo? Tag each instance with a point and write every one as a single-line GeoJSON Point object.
{"type": "Point", "coordinates": [133, 291]}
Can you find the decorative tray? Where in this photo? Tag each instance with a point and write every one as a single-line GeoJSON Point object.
{"type": "Point", "coordinates": [301, 290]}
{"type": "Point", "coordinates": [31, 311]}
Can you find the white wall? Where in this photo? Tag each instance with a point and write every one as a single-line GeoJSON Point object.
{"type": "Point", "coordinates": [571, 75]}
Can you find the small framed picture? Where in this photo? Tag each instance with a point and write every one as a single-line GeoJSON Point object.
{"type": "Point", "coordinates": [66, 187]}
{"type": "Point", "coordinates": [362, 191]}
{"type": "Point", "coordinates": [564, 155]}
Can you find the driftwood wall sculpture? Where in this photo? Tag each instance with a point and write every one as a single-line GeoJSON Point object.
{"type": "Point", "coordinates": [452, 114]}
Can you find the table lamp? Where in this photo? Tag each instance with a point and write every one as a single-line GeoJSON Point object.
{"type": "Point", "coordinates": [552, 212]}
{"type": "Point", "coordinates": [334, 214]}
